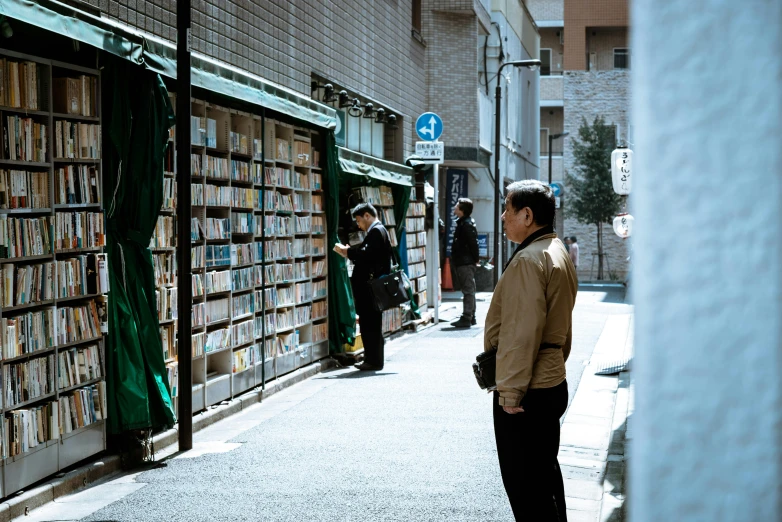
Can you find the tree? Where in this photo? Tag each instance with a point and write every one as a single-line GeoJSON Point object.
{"type": "Point", "coordinates": [591, 196]}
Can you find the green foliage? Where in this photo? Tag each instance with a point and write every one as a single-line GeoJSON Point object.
{"type": "Point", "coordinates": [591, 198]}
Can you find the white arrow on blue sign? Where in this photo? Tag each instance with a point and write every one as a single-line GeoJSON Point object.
{"type": "Point", "coordinates": [429, 126]}
{"type": "Point", "coordinates": [556, 188]}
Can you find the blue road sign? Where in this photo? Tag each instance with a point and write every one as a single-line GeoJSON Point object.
{"type": "Point", "coordinates": [429, 126]}
{"type": "Point", "coordinates": [557, 189]}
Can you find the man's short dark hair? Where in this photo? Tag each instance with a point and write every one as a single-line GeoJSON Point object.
{"type": "Point", "coordinates": [465, 205]}
{"type": "Point", "coordinates": [573, 239]}
{"type": "Point", "coordinates": [537, 196]}
{"type": "Point", "coordinates": [363, 208]}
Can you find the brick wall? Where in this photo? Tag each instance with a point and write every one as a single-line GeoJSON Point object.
{"type": "Point", "coordinates": [545, 10]}
{"type": "Point", "coordinates": [581, 14]}
{"type": "Point", "coordinates": [590, 94]}
{"type": "Point", "coordinates": [365, 46]}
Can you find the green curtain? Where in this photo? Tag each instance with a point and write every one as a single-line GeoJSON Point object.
{"type": "Point", "coordinates": [137, 115]}
{"type": "Point", "coordinates": [342, 311]}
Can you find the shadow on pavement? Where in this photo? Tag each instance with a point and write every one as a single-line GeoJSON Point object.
{"type": "Point", "coordinates": [358, 374]}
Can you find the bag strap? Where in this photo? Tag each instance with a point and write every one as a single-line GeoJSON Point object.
{"type": "Point", "coordinates": [394, 256]}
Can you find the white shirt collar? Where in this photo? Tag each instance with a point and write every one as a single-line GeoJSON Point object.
{"type": "Point", "coordinates": [373, 225]}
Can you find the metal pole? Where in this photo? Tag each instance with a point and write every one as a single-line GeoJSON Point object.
{"type": "Point", "coordinates": [497, 182]}
{"type": "Point", "coordinates": [185, 291]}
{"type": "Point", "coordinates": [436, 213]}
{"type": "Point", "coordinates": [550, 140]}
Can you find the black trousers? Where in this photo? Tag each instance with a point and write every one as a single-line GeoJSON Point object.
{"type": "Point", "coordinates": [371, 334]}
{"type": "Point", "coordinates": [527, 447]}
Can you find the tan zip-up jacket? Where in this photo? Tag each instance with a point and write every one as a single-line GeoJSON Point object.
{"type": "Point", "coordinates": [532, 305]}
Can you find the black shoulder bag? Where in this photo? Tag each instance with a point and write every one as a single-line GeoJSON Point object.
{"type": "Point", "coordinates": [390, 291]}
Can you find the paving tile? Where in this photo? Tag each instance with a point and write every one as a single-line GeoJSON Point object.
{"type": "Point", "coordinates": [585, 436]}
{"type": "Point", "coordinates": [582, 504]}
{"type": "Point", "coordinates": [585, 489]}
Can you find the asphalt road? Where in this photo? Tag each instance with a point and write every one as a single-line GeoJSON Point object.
{"type": "Point", "coordinates": [413, 442]}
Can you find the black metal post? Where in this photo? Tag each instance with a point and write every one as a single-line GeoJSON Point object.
{"type": "Point", "coordinates": [497, 179]}
{"type": "Point", "coordinates": [185, 290]}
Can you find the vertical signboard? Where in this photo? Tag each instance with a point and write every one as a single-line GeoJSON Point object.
{"type": "Point", "coordinates": [455, 188]}
{"type": "Point", "coordinates": [339, 131]}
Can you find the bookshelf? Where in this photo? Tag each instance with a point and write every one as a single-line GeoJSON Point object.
{"type": "Point", "coordinates": [53, 272]}
{"type": "Point", "coordinates": [416, 248]}
{"type": "Point", "coordinates": [259, 259]}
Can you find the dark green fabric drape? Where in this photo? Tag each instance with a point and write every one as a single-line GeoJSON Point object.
{"type": "Point", "coordinates": [137, 115]}
{"type": "Point", "coordinates": [342, 311]}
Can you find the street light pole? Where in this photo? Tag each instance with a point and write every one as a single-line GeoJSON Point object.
{"type": "Point", "coordinates": [497, 180]}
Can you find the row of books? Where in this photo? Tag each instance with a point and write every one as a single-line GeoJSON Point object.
{"type": "Point", "coordinates": [216, 168]}
{"type": "Point", "coordinates": [375, 195]}
{"type": "Point", "coordinates": [27, 333]}
{"type": "Point", "coordinates": [392, 320]}
{"type": "Point", "coordinates": [242, 223]}
{"type": "Point", "coordinates": [240, 171]}
{"type": "Point", "coordinates": [217, 255]}
{"type": "Point", "coordinates": [242, 305]}
{"type": "Point", "coordinates": [78, 365]}
{"type": "Point", "coordinates": [414, 224]}
{"type": "Point", "coordinates": [25, 139]}
{"type": "Point", "coordinates": [242, 279]}
{"type": "Point", "coordinates": [302, 246]}
{"type": "Point", "coordinates": [419, 284]}
{"type": "Point", "coordinates": [169, 194]}
{"type": "Point", "coordinates": [76, 95]}
{"type": "Point", "coordinates": [301, 180]}
{"type": "Point", "coordinates": [76, 140]}
{"type": "Point", "coordinates": [197, 285]}
{"type": "Point", "coordinates": [203, 131]}
{"type": "Point", "coordinates": [76, 230]}
{"type": "Point", "coordinates": [217, 310]}
{"type": "Point", "coordinates": [416, 239]}
{"type": "Point", "coordinates": [166, 299]}
{"type": "Point", "coordinates": [303, 315]}
{"type": "Point", "coordinates": [242, 254]}
{"type": "Point", "coordinates": [242, 333]}
{"type": "Point", "coordinates": [301, 152]}
{"type": "Point", "coordinates": [165, 264]}
{"type": "Point", "coordinates": [301, 270]}
{"type": "Point", "coordinates": [218, 282]}
{"type": "Point", "coordinates": [319, 309]}
{"type": "Point", "coordinates": [416, 270]}
{"type": "Point", "coordinates": [285, 320]}
{"type": "Point", "coordinates": [77, 184]}
{"type": "Point", "coordinates": [197, 195]}
{"type": "Point", "coordinates": [284, 202]}
{"type": "Point", "coordinates": [20, 85]}
{"type": "Point", "coordinates": [320, 332]}
{"type": "Point", "coordinates": [28, 428]}
{"type": "Point", "coordinates": [244, 359]}
{"type": "Point", "coordinates": [28, 380]}
{"type": "Point", "coordinates": [387, 217]}
{"type": "Point", "coordinates": [415, 255]}
{"type": "Point", "coordinates": [164, 235]}
{"type": "Point", "coordinates": [198, 315]}
{"type": "Point", "coordinates": [285, 296]}
{"type": "Point", "coordinates": [319, 289]}
{"type": "Point", "coordinates": [303, 292]}
{"type": "Point", "coordinates": [301, 202]}
{"type": "Point", "coordinates": [218, 340]}
{"type": "Point", "coordinates": [416, 208]}
{"type": "Point", "coordinates": [23, 189]}
{"type": "Point", "coordinates": [239, 143]}
{"type": "Point", "coordinates": [168, 341]}
{"type": "Point", "coordinates": [319, 268]}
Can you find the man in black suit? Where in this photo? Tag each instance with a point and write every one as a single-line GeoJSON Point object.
{"type": "Point", "coordinates": [372, 259]}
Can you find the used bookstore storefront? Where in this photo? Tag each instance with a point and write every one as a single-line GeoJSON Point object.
{"type": "Point", "coordinates": [87, 225]}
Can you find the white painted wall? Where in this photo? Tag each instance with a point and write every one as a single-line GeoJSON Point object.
{"type": "Point", "coordinates": [708, 204]}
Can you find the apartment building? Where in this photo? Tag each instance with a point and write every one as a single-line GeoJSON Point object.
{"type": "Point", "coordinates": [586, 59]}
{"type": "Point", "coordinates": [466, 42]}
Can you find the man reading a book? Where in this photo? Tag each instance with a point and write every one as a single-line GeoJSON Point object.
{"type": "Point", "coordinates": [372, 259]}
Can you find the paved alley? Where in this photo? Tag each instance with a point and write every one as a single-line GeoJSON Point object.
{"type": "Point", "coordinates": [413, 442]}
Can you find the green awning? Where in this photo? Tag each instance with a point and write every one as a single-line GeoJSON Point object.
{"type": "Point", "coordinates": [160, 56]}
{"type": "Point", "coordinates": [359, 165]}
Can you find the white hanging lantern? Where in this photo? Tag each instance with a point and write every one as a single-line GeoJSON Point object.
{"type": "Point", "coordinates": [621, 170]}
{"type": "Point", "coordinates": [623, 225]}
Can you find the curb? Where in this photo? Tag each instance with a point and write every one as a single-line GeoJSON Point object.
{"type": "Point", "coordinates": [87, 474]}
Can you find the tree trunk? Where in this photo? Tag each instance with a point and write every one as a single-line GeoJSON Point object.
{"type": "Point", "coordinates": [599, 251]}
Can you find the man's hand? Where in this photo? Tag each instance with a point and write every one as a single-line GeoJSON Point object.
{"type": "Point", "coordinates": [341, 249]}
{"type": "Point", "coordinates": [513, 409]}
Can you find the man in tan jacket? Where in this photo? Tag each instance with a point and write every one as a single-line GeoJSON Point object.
{"type": "Point", "coordinates": [530, 323]}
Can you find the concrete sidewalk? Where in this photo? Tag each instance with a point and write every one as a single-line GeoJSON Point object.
{"type": "Point", "coordinates": [592, 448]}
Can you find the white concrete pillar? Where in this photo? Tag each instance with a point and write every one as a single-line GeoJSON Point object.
{"type": "Point", "coordinates": [707, 106]}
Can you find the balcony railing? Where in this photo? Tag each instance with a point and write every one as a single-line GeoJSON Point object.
{"type": "Point", "coordinates": [555, 151]}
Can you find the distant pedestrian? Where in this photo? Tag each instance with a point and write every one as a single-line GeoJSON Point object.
{"type": "Point", "coordinates": [464, 259]}
{"type": "Point", "coordinates": [573, 251]}
{"type": "Point", "coordinates": [373, 259]}
{"type": "Point", "coordinates": [567, 243]}
{"type": "Point", "coordinates": [530, 322]}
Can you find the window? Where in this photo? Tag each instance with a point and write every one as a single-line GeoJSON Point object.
{"type": "Point", "coordinates": [545, 62]}
{"type": "Point", "coordinates": [417, 16]}
{"type": "Point", "coordinates": [621, 58]}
